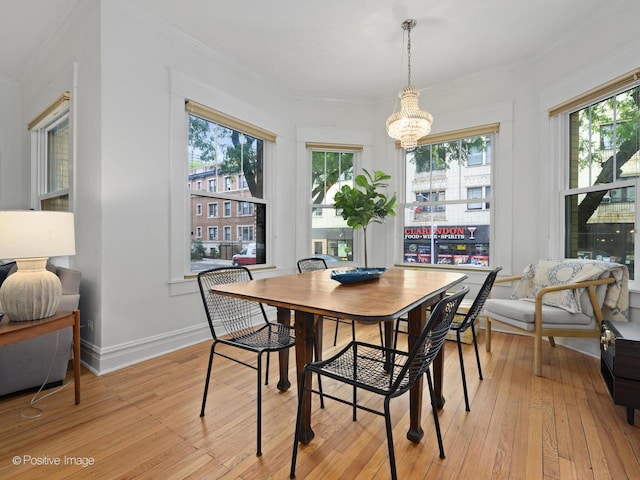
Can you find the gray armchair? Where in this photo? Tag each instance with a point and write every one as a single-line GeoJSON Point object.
{"type": "Point", "coordinates": [560, 298]}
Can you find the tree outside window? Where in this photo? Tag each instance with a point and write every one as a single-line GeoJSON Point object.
{"type": "Point", "coordinates": [218, 153]}
{"type": "Point", "coordinates": [604, 162]}
{"type": "Point", "coordinates": [330, 234]}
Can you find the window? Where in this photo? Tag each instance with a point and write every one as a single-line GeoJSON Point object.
{"type": "Point", "coordinates": [603, 167]}
{"type": "Point", "coordinates": [245, 233]}
{"type": "Point", "coordinates": [50, 134]}
{"type": "Point", "coordinates": [478, 192]}
{"type": "Point", "coordinates": [213, 210]}
{"type": "Point", "coordinates": [479, 155]}
{"type": "Point", "coordinates": [222, 148]}
{"type": "Point", "coordinates": [198, 232]}
{"type": "Point", "coordinates": [440, 225]}
{"type": "Point", "coordinates": [245, 208]}
{"type": "Point", "coordinates": [331, 168]}
{"type": "Point", "coordinates": [199, 209]}
{"type": "Point", "coordinates": [429, 198]}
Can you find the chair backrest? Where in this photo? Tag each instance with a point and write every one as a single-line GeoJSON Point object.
{"type": "Point", "coordinates": [430, 341]}
{"type": "Point", "coordinates": [227, 315]}
{"type": "Point", "coordinates": [481, 298]}
{"type": "Point", "coordinates": [311, 264]}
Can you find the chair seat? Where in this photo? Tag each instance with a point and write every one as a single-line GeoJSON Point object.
{"type": "Point", "coordinates": [522, 312]}
{"type": "Point", "coordinates": [273, 336]}
{"type": "Point", "coordinates": [365, 366]}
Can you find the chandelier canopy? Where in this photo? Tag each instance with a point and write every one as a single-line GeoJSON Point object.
{"type": "Point", "coordinates": [410, 123]}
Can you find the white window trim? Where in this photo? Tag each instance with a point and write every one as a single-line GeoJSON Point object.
{"type": "Point", "coordinates": [59, 110]}
{"type": "Point", "coordinates": [500, 244]}
{"type": "Point", "coordinates": [183, 87]}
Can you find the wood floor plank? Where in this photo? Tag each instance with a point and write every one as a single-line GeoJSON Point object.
{"type": "Point", "coordinates": [143, 422]}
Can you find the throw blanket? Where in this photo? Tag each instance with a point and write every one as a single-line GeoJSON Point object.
{"type": "Point", "coordinates": [545, 273]}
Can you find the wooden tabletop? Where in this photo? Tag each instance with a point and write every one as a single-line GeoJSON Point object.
{"type": "Point", "coordinates": [392, 295]}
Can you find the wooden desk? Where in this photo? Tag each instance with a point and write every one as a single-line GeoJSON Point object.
{"type": "Point", "coordinates": [397, 293]}
{"type": "Point", "coordinates": [11, 332]}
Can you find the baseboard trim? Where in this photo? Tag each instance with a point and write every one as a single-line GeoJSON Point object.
{"type": "Point", "coordinates": [104, 360]}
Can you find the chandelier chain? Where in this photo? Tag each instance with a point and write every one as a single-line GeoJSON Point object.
{"type": "Point", "coordinates": [409, 55]}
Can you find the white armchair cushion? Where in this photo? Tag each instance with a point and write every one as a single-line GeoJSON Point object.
{"type": "Point", "coordinates": [521, 314]}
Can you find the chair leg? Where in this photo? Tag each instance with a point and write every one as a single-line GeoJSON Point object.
{"type": "Point", "coordinates": [475, 345]}
{"type": "Point", "coordinates": [487, 334]}
{"type": "Point", "coordinates": [392, 455]}
{"type": "Point", "coordinates": [537, 355]}
{"type": "Point", "coordinates": [464, 377]}
{"type": "Point", "coordinates": [208, 377]}
{"type": "Point", "coordinates": [259, 406]}
{"type": "Point", "coordinates": [296, 436]}
{"type": "Point", "coordinates": [316, 346]}
{"type": "Point", "coordinates": [381, 334]}
{"type": "Point", "coordinates": [266, 374]}
{"type": "Point", "coordinates": [435, 413]}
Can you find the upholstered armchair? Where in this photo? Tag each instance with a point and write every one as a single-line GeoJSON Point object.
{"type": "Point", "coordinates": [560, 298]}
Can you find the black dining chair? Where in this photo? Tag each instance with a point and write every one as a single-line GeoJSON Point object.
{"type": "Point", "coordinates": [383, 371]}
{"type": "Point", "coordinates": [243, 325]}
{"type": "Point", "coordinates": [311, 264]}
{"type": "Point", "coordinates": [467, 321]}
{"type": "Point", "coordinates": [314, 263]}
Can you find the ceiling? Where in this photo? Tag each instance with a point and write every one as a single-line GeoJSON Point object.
{"type": "Point", "coordinates": [339, 48]}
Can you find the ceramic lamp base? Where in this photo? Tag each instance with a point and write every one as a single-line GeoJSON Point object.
{"type": "Point", "coordinates": [32, 292]}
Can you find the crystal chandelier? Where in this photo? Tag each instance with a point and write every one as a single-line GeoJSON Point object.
{"type": "Point", "coordinates": [410, 123]}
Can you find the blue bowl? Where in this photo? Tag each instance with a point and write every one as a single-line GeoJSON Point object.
{"type": "Point", "coordinates": [359, 274]}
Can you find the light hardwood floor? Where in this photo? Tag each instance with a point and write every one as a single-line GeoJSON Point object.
{"type": "Point", "coordinates": [143, 422]}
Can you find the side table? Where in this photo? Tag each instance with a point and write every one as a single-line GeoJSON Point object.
{"type": "Point", "coordinates": [11, 332]}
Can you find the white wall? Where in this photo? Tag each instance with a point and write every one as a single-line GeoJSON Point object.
{"type": "Point", "coordinates": [13, 173]}
{"type": "Point", "coordinates": [130, 75]}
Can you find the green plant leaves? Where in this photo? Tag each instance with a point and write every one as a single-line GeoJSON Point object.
{"type": "Point", "coordinates": [365, 203]}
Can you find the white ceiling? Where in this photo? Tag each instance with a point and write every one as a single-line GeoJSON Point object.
{"type": "Point", "coordinates": [340, 48]}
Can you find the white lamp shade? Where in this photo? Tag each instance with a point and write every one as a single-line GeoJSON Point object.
{"type": "Point", "coordinates": [34, 234]}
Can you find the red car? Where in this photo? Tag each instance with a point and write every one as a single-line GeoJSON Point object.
{"type": "Point", "coordinates": [246, 256]}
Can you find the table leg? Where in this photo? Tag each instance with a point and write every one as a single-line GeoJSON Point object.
{"type": "Point", "coordinates": [388, 333]}
{"type": "Point", "coordinates": [76, 355]}
{"type": "Point", "coordinates": [417, 321]}
{"type": "Point", "coordinates": [305, 338]}
{"type": "Point", "coordinates": [284, 317]}
{"type": "Point", "coordinates": [318, 337]}
{"type": "Point", "coordinates": [417, 318]}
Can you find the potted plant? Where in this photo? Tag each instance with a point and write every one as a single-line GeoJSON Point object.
{"type": "Point", "coordinates": [365, 202]}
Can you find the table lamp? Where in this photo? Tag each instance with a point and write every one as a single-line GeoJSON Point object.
{"type": "Point", "coordinates": [31, 237]}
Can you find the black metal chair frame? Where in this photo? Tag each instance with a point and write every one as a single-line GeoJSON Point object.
{"type": "Point", "coordinates": [236, 317]}
{"type": "Point", "coordinates": [314, 263]}
{"type": "Point", "coordinates": [468, 320]}
{"type": "Point", "coordinates": [461, 326]}
{"type": "Point", "coordinates": [384, 371]}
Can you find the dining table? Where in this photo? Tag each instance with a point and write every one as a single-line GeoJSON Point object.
{"type": "Point", "coordinates": [398, 292]}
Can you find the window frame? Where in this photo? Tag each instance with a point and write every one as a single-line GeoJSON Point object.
{"type": "Point", "coordinates": [560, 120]}
{"type": "Point", "coordinates": [349, 252]}
{"type": "Point", "coordinates": [50, 118]}
{"type": "Point", "coordinates": [491, 132]}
